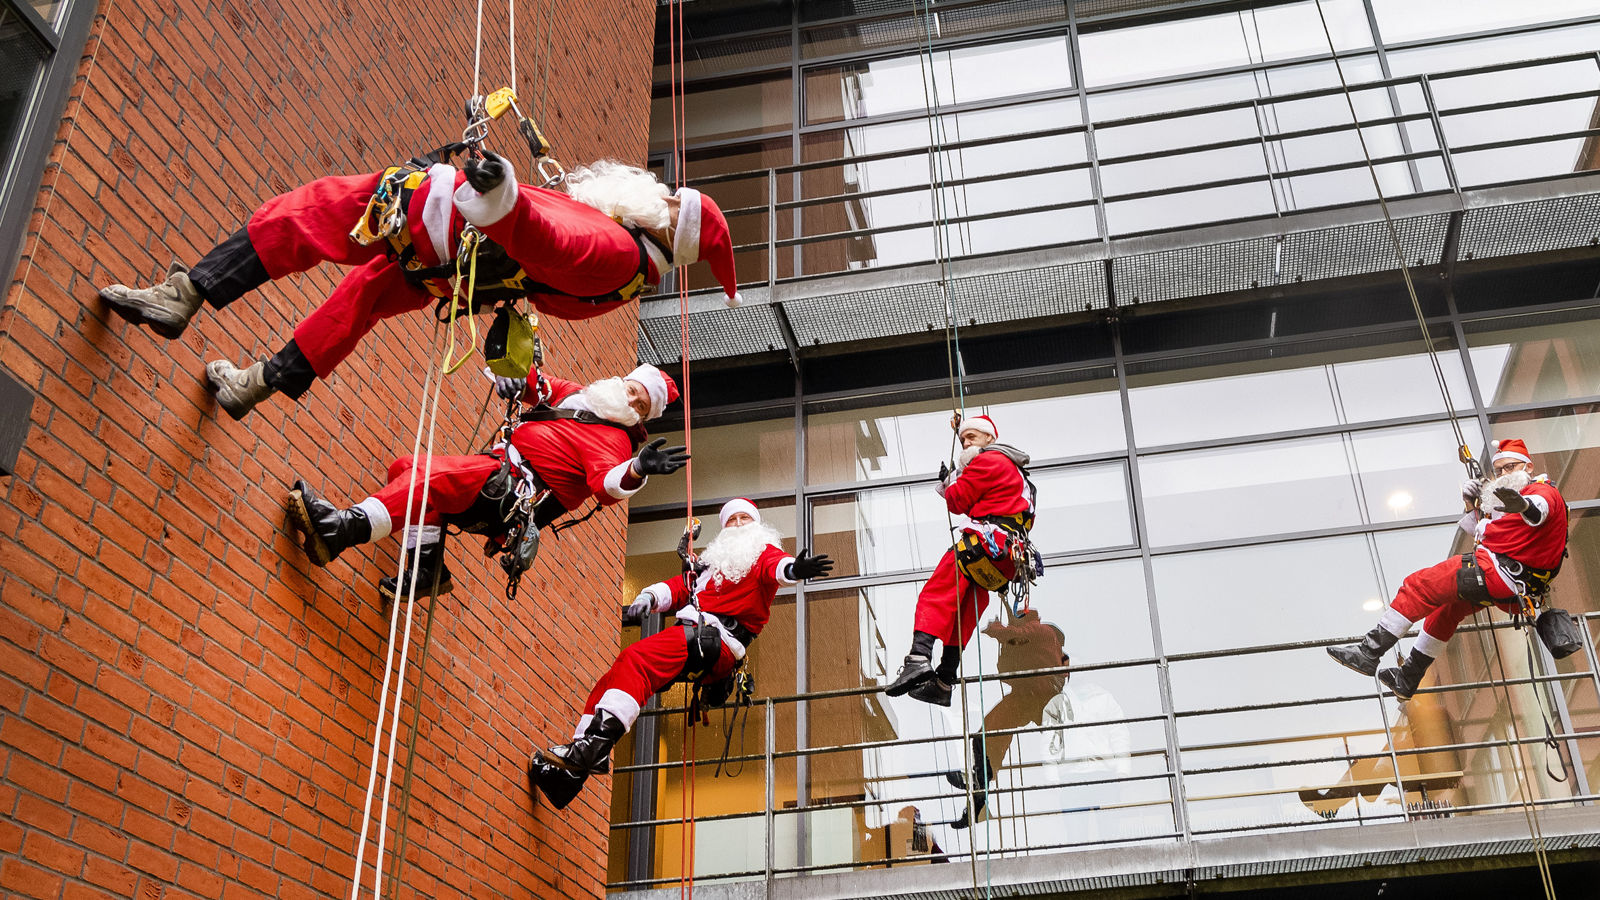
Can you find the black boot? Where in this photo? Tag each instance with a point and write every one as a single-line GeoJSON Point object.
{"type": "Point", "coordinates": [1365, 656]}
{"type": "Point", "coordinates": [982, 774]}
{"type": "Point", "coordinates": [557, 784]}
{"type": "Point", "coordinates": [1404, 680]}
{"type": "Point", "coordinates": [429, 565]}
{"type": "Point", "coordinates": [918, 666]}
{"type": "Point", "coordinates": [938, 689]}
{"type": "Point", "coordinates": [590, 753]}
{"type": "Point", "coordinates": [328, 530]}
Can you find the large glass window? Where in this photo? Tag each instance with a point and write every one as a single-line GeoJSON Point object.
{"type": "Point", "coordinates": [729, 461]}
{"type": "Point", "coordinates": [1529, 359]}
{"type": "Point", "coordinates": [1411, 20]}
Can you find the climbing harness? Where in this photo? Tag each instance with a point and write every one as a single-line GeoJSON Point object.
{"type": "Point", "coordinates": [1474, 471]}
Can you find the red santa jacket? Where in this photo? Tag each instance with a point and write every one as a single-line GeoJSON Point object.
{"type": "Point", "coordinates": [749, 600]}
{"type": "Point", "coordinates": [990, 485]}
{"type": "Point", "coordinates": [577, 460]}
{"type": "Point", "coordinates": [571, 247]}
{"type": "Point", "coordinates": [1514, 536]}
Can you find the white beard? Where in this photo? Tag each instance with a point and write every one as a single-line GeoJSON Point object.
{"type": "Point", "coordinates": [608, 399]}
{"type": "Point", "coordinates": [622, 192]}
{"type": "Point", "coordinates": [733, 552]}
{"type": "Point", "coordinates": [968, 454]}
{"type": "Point", "coordinates": [1516, 481]}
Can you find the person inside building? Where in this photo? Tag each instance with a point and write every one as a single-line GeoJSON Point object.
{"type": "Point", "coordinates": [576, 254]}
{"type": "Point", "coordinates": [575, 443]}
{"type": "Point", "coordinates": [1520, 544]}
{"type": "Point", "coordinates": [989, 486]}
{"type": "Point", "coordinates": [744, 566]}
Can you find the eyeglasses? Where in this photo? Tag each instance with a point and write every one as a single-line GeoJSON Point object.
{"type": "Point", "coordinates": [1503, 468]}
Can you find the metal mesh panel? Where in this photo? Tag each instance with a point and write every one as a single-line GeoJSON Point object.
{"type": "Point", "coordinates": [979, 300]}
{"type": "Point", "coordinates": [647, 354]}
{"type": "Point", "coordinates": [1559, 223]}
{"type": "Point", "coordinates": [716, 333]}
{"type": "Point", "coordinates": [1265, 261]}
{"type": "Point", "coordinates": [1089, 10]}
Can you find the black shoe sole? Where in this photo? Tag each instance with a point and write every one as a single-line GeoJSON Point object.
{"type": "Point", "coordinates": [1350, 667]}
{"type": "Point", "coordinates": [1395, 690]}
{"type": "Point", "coordinates": [942, 699]}
{"type": "Point", "coordinates": [902, 688]}
{"type": "Point", "coordinates": [388, 593]}
{"type": "Point", "coordinates": [316, 548]}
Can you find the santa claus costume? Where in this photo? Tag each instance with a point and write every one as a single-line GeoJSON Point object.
{"type": "Point", "coordinates": [574, 255]}
{"type": "Point", "coordinates": [1520, 543]}
{"type": "Point", "coordinates": [990, 488]}
{"type": "Point", "coordinates": [727, 608]}
{"type": "Point", "coordinates": [581, 444]}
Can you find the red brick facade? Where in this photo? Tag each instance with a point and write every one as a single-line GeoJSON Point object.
{"type": "Point", "coordinates": [186, 704]}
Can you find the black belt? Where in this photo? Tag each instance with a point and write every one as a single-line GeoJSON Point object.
{"type": "Point", "coordinates": [740, 633]}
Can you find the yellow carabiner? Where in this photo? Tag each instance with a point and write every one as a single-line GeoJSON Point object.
{"type": "Point", "coordinates": [498, 103]}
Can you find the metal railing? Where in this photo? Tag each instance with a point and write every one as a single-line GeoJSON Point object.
{"type": "Point", "coordinates": [1007, 799]}
{"type": "Point", "coordinates": [1278, 180]}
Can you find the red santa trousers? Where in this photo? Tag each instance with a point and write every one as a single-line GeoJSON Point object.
{"type": "Point", "coordinates": [311, 224]}
{"type": "Point", "coordinates": [1430, 595]}
{"type": "Point", "coordinates": [645, 668]}
{"type": "Point", "coordinates": [453, 484]}
{"type": "Point", "coordinates": [937, 604]}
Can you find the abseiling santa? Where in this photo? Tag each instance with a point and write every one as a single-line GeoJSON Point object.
{"type": "Point", "coordinates": [989, 487]}
{"type": "Point", "coordinates": [575, 255]}
{"type": "Point", "coordinates": [585, 448]}
{"type": "Point", "coordinates": [732, 598]}
{"type": "Point", "coordinates": [1520, 544]}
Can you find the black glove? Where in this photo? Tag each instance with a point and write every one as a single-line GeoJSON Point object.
{"type": "Point", "coordinates": [509, 388]}
{"type": "Point", "coordinates": [806, 566]}
{"type": "Point", "coordinates": [944, 471]}
{"type": "Point", "coordinates": [654, 460]}
{"type": "Point", "coordinates": [1511, 501]}
{"type": "Point", "coordinates": [485, 174]}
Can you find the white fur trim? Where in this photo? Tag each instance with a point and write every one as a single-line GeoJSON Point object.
{"type": "Point", "coordinates": [662, 595]}
{"type": "Point", "coordinates": [734, 507]}
{"type": "Point", "coordinates": [654, 384]}
{"type": "Point", "coordinates": [686, 238]}
{"type": "Point", "coordinates": [1428, 646]}
{"type": "Point", "coordinates": [783, 568]}
{"type": "Point", "coordinates": [484, 210]}
{"type": "Point", "coordinates": [978, 423]}
{"type": "Point", "coordinates": [422, 535]}
{"type": "Point", "coordinates": [1469, 523]}
{"type": "Point", "coordinates": [620, 704]}
{"type": "Point", "coordinates": [583, 725]}
{"type": "Point", "coordinates": [1394, 623]}
{"type": "Point", "coordinates": [736, 300]}
{"type": "Point", "coordinates": [378, 515]}
{"type": "Point", "coordinates": [1536, 502]}
{"type": "Point", "coordinates": [614, 481]}
{"type": "Point", "coordinates": [692, 614]}
{"type": "Point", "coordinates": [436, 210]}
{"type": "Point", "coordinates": [1511, 454]}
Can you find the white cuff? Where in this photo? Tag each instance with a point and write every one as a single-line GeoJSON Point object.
{"type": "Point", "coordinates": [583, 725]}
{"type": "Point", "coordinates": [378, 516]}
{"type": "Point", "coordinates": [620, 704]}
{"type": "Point", "coordinates": [1469, 523]}
{"type": "Point", "coordinates": [614, 481]}
{"type": "Point", "coordinates": [783, 568]}
{"type": "Point", "coordinates": [662, 595]}
{"type": "Point", "coordinates": [423, 535]}
{"type": "Point", "coordinates": [1394, 623]}
{"type": "Point", "coordinates": [1428, 646]}
{"type": "Point", "coordinates": [1538, 510]}
{"type": "Point", "coordinates": [484, 210]}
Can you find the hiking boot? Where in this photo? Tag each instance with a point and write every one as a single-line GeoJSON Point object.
{"type": "Point", "coordinates": [935, 690]}
{"type": "Point", "coordinates": [914, 671]}
{"type": "Point", "coordinates": [432, 560]}
{"type": "Point", "coordinates": [238, 390]}
{"type": "Point", "coordinates": [165, 308]}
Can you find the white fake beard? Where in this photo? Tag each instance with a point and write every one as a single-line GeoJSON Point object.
{"type": "Point", "coordinates": [623, 192]}
{"type": "Point", "coordinates": [608, 399]}
{"type": "Point", "coordinates": [735, 550]}
{"type": "Point", "coordinates": [968, 454]}
{"type": "Point", "coordinates": [1516, 481]}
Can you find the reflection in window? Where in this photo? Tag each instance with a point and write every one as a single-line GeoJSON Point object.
{"type": "Point", "coordinates": [1285, 394]}
{"type": "Point", "coordinates": [714, 113]}
{"type": "Point", "coordinates": [653, 545]}
{"type": "Point", "coordinates": [1517, 363]}
{"type": "Point", "coordinates": [1222, 41]}
{"type": "Point", "coordinates": [729, 461]}
{"type": "Point", "coordinates": [1412, 20]}
{"type": "Point", "coordinates": [861, 90]}
{"type": "Point", "coordinates": [24, 54]}
{"type": "Point", "coordinates": [1565, 445]}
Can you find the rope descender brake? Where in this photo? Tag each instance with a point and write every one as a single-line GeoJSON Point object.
{"type": "Point", "coordinates": [481, 110]}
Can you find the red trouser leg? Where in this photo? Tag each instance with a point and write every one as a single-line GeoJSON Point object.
{"type": "Point", "coordinates": [375, 291]}
{"type": "Point", "coordinates": [453, 485]}
{"type": "Point", "coordinates": [311, 224]}
{"type": "Point", "coordinates": [1430, 595]}
{"type": "Point", "coordinates": [937, 607]}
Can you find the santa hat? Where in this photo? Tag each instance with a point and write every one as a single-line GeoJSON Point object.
{"type": "Point", "coordinates": [703, 234]}
{"type": "Point", "coordinates": [658, 384]}
{"type": "Point", "coordinates": [734, 507]}
{"type": "Point", "coordinates": [979, 423]}
{"type": "Point", "coordinates": [1511, 448]}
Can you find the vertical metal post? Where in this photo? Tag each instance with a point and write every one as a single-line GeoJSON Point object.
{"type": "Point", "coordinates": [642, 784]}
{"type": "Point", "coordinates": [772, 235]}
{"type": "Point", "coordinates": [1075, 59]}
{"type": "Point", "coordinates": [1266, 157]}
{"type": "Point", "coordinates": [772, 742]}
{"type": "Point", "coordinates": [1563, 715]}
{"type": "Point", "coordinates": [802, 652]}
{"type": "Point", "coordinates": [1438, 133]}
{"type": "Point", "coordinates": [1394, 96]}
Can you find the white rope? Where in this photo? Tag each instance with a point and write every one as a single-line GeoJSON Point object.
{"type": "Point", "coordinates": [388, 668]}
{"type": "Point", "coordinates": [511, 39]}
{"type": "Point", "coordinates": [477, 58]}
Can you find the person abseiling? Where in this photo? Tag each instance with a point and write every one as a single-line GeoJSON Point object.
{"type": "Point", "coordinates": [580, 442]}
{"type": "Point", "coordinates": [1520, 544]}
{"type": "Point", "coordinates": [732, 598]}
{"type": "Point", "coordinates": [575, 255]}
{"type": "Point", "coordinates": [990, 487]}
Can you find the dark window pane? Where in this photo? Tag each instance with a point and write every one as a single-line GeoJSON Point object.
{"type": "Point", "coordinates": [21, 53]}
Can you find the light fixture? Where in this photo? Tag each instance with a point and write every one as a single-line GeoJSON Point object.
{"type": "Point", "coordinates": [1372, 605]}
{"type": "Point", "coordinates": [1399, 500]}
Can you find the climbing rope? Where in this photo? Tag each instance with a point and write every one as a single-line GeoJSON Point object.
{"type": "Point", "coordinates": [1474, 470]}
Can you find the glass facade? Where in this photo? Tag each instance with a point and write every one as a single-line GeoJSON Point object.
{"type": "Point", "coordinates": [1214, 511]}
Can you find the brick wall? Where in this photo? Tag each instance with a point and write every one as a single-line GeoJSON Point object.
{"type": "Point", "coordinates": [186, 705]}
